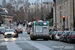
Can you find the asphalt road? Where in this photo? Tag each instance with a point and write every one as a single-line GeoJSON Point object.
{"type": "Point", "coordinates": [23, 42]}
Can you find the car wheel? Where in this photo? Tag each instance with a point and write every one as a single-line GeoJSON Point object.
{"type": "Point", "coordinates": [28, 33]}
{"type": "Point", "coordinates": [64, 40]}
{"type": "Point", "coordinates": [16, 36]}
{"type": "Point", "coordinates": [49, 38]}
{"type": "Point", "coordinates": [21, 32]}
{"type": "Point", "coordinates": [52, 38]}
{"type": "Point", "coordinates": [4, 37]}
{"type": "Point", "coordinates": [60, 40]}
{"type": "Point", "coordinates": [33, 39]}
{"type": "Point", "coordinates": [69, 41]}
{"type": "Point", "coordinates": [55, 38]}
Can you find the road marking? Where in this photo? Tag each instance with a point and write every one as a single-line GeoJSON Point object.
{"type": "Point", "coordinates": [39, 46]}
{"type": "Point", "coordinates": [1, 39]}
{"type": "Point", "coordinates": [3, 43]}
{"type": "Point", "coordinates": [13, 46]}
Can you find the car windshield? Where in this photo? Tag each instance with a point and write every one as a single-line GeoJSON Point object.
{"type": "Point", "coordinates": [6, 27]}
{"type": "Point", "coordinates": [59, 32]}
{"type": "Point", "coordinates": [9, 31]}
{"type": "Point", "coordinates": [66, 32]}
{"type": "Point", "coordinates": [54, 32]}
{"type": "Point", "coordinates": [73, 33]}
{"type": "Point", "coordinates": [1, 29]}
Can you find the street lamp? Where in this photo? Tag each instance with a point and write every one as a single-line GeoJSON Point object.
{"type": "Point", "coordinates": [55, 15]}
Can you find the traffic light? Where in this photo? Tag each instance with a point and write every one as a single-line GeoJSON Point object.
{"type": "Point", "coordinates": [63, 18]}
{"type": "Point", "coordinates": [10, 20]}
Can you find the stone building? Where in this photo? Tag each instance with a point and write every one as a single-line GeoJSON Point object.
{"type": "Point", "coordinates": [63, 7]}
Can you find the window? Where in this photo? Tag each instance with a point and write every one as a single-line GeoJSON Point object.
{"type": "Point", "coordinates": [60, 7]}
{"type": "Point", "coordinates": [41, 24]}
{"type": "Point", "coordinates": [38, 24]}
{"type": "Point", "coordinates": [60, 17]}
{"type": "Point", "coordinates": [73, 33]}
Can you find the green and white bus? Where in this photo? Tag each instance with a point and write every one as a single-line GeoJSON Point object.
{"type": "Point", "coordinates": [40, 30]}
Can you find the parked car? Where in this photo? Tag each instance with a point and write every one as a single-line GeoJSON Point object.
{"type": "Point", "coordinates": [52, 34]}
{"type": "Point", "coordinates": [65, 37]}
{"type": "Point", "coordinates": [2, 30]}
{"type": "Point", "coordinates": [57, 35]}
{"type": "Point", "coordinates": [71, 37]}
{"type": "Point", "coordinates": [19, 30]}
{"type": "Point", "coordinates": [62, 37]}
{"type": "Point", "coordinates": [10, 33]}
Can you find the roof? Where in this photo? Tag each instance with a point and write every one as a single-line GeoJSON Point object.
{"type": "Point", "coordinates": [4, 13]}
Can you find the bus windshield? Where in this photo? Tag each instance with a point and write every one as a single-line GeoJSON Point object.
{"type": "Point", "coordinates": [41, 24]}
{"type": "Point", "coordinates": [38, 24]}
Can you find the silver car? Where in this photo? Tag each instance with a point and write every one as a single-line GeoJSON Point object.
{"type": "Point", "coordinates": [57, 35]}
{"type": "Point", "coordinates": [10, 33]}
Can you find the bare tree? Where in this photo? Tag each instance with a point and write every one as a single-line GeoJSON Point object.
{"type": "Point", "coordinates": [9, 7]}
{"type": "Point", "coordinates": [4, 3]}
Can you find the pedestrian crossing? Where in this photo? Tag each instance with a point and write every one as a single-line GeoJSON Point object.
{"type": "Point", "coordinates": [11, 44]}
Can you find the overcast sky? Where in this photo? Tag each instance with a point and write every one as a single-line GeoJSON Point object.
{"type": "Point", "coordinates": [31, 1]}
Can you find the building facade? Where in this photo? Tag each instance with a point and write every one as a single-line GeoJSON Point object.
{"type": "Point", "coordinates": [63, 8]}
{"type": "Point", "coordinates": [5, 16]}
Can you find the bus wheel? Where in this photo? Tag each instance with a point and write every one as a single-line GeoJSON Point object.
{"type": "Point", "coordinates": [33, 39]}
{"type": "Point", "coordinates": [45, 39]}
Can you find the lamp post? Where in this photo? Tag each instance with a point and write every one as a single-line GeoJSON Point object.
{"type": "Point", "coordinates": [55, 15]}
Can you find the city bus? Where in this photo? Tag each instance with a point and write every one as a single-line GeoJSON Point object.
{"type": "Point", "coordinates": [40, 30]}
